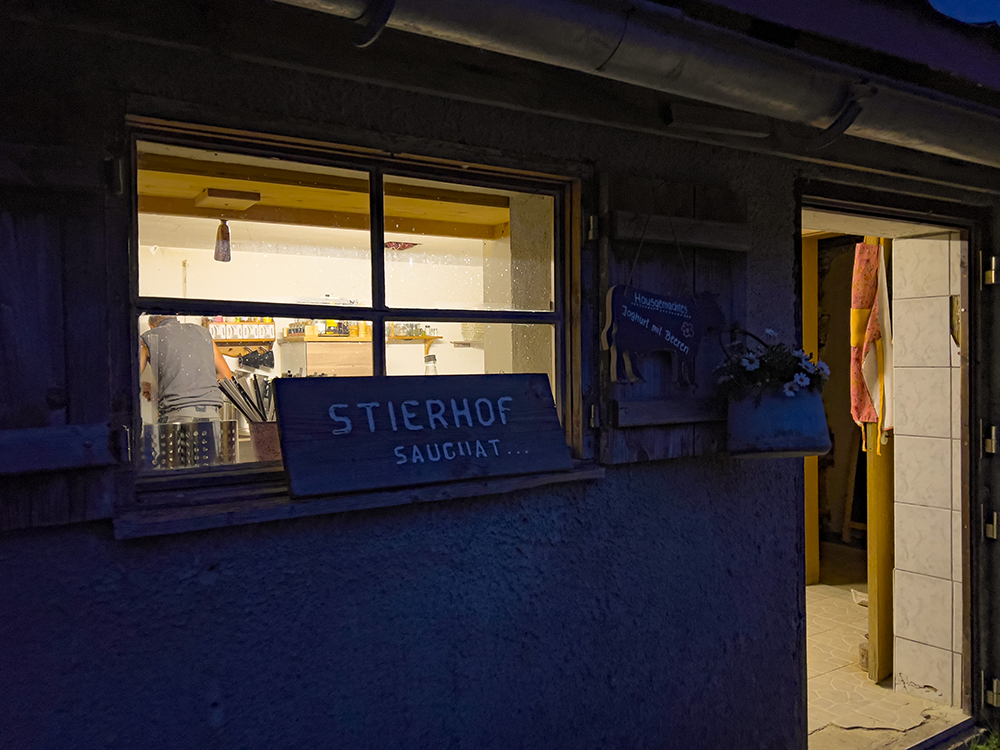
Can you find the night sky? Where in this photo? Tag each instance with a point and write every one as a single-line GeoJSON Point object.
{"type": "Point", "coordinates": [972, 11]}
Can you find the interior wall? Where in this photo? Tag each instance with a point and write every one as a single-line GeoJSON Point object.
{"type": "Point", "coordinates": [927, 591]}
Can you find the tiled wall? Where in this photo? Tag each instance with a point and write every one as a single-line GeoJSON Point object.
{"type": "Point", "coordinates": [927, 592]}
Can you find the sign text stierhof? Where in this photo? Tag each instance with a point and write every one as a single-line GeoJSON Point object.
{"type": "Point", "coordinates": [344, 434]}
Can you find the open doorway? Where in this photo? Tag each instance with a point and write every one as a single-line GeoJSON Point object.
{"type": "Point", "coordinates": [883, 525]}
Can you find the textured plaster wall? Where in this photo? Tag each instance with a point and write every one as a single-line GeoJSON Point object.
{"type": "Point", "coordinates": [661, 607]}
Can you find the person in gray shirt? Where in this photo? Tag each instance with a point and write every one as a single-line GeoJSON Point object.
{"type": "Point", "coordinates": [187, 366]}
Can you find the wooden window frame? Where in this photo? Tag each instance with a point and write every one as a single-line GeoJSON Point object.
{"type": "Point", "coordinates": [191, 499]}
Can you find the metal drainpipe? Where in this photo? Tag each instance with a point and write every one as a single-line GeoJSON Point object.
{"type": "Point", "coordinates": [659, 48]}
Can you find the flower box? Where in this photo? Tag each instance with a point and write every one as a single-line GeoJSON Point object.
{"type": "Point", "coordinates": [776, 426]}
{"type": "Point", "coordinates": [775, 406]}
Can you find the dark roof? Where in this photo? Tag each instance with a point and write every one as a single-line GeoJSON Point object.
{"type": "Point", "coordinates": [908, 39]}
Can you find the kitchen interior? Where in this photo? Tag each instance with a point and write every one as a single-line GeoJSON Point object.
{"type": "Point", "coordinates": [224, 227]}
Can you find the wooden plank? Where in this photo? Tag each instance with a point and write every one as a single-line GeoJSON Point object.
{"type": "Point", "coordinates": [32, 357]}
{"type": "Point", "coordinates": [686, 232]}
{"type": "Point", "coordinates": [677, 410]}
{"type": "Point", "coordinates": [152, 204]}
{"type": "Point", "coordinates": [85, 326]}
{"type": "Point", "coordinates": [810, 343]}
{"type": "Point", "coordinates": [271, 175]}
{"type": "Point", "coordinates": [140, 523]}
{"type": "Point", "coordinates": [881, 555]}
{"type": "Point", "coordinates": [644, 444]}
{"type": "Point", "coordinates": [349, 434]}
{"type": "Point", "coordinates": [50, 167]}
{"type": "Point", "coordinates": [573, 371]}
{"type": "Point", "coordinates": [54, 448]}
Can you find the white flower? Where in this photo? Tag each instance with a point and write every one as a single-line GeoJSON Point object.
{"type": "Point", "coordinates": [805, 361]}
{"type": "Point", "coordinates": [750, 362]}
{"type": "Point", "coordinates": [824, 370]}
{"type": "Point", "coordinates": [801, 379]}
{"type": "Point", "coordinates": [789, 389]}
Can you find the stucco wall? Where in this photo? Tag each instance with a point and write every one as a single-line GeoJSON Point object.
{"type": "Point", "coordinates": [658, 608]}
{"type": "Point", "coordinates": [661, 607]}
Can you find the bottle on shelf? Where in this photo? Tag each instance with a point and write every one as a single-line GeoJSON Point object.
{"type": "Point", "coordinates": [430, 364]}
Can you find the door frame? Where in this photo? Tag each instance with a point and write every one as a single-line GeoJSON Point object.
{"type": "Point", "coordinates": [980, 563]}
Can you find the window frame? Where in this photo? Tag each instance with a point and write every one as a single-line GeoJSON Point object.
{"type": "Point", "coordinates": [208, 485]}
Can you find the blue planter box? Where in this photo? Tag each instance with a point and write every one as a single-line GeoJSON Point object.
{"type": "Point", "coordinates": [779, 426]}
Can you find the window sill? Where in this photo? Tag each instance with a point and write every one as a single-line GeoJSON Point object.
{"type": "Point", "coordinates": [170, 506]}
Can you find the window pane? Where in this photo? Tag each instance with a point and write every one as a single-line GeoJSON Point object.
{"type": "Point", "coordinates": [297, 233]}
{"type": "Point", "coordinates": [451, 246]}
{"type": "Point", "coordinates": [189, 419]}
{"type": "Point", "coordinates": [469, 348]}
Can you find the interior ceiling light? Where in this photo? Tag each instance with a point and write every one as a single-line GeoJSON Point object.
{"type": "Point", "coordinates": [222, 246]}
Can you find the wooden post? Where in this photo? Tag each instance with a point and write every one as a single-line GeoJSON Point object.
{"type": "Point", "coordinates": [810, 344]}
{"type": "Point", "coordinates": [881, 555]}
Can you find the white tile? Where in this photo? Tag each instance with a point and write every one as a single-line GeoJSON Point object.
{"type": "Point", "coordinates": [923, 671]}
{"type": "Point", "coordinates": [956, 618]}
{"type": "Point", "coordinates": [922, 609]}
{"type": "Point", "coordinates": [956, 402]}
{"type": "Point", "coordinates": [956, 474]}
{"type": "Point", "coordinates": [956, 680]}
{"type": "Point", "coordinates": [921, 332]}
{"type": "Point", "coordinates": [956, 545]}
{"type": "Point", "coordinates": [955, 262]}
{"type": "Point", "coordinates": [923, 471]}
{"type": "Point", "coordinates": [920, 268]}
{"type": "Point", "coordinates": [923, 401]}
{"type": "Point", "coordinates": [923, 540]}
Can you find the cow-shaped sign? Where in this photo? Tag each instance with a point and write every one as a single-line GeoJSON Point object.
{"type": "Point", "coordinates": [640, 322]}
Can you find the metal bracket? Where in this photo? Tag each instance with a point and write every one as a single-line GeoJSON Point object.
{"type": "Point", "coordinates": [990, 443]}
{"type": "Point", "coordinates": [990, 271]}
{"type": "Point", "coordinates": [990, 529]}
{"type": "Point", "coordinates": [592, 231]}
{"type": "Point", "coordinates": [373, 22]}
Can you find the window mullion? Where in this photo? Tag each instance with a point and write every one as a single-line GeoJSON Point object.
{"type": "Point", "coordinates": [377, 211]}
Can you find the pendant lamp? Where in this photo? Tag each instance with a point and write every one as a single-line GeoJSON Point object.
{"type": "Point", "coordinates": [222, 249]}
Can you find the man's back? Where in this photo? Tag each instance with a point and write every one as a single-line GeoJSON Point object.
{"type": "Point", "coordinates": [183, 358]}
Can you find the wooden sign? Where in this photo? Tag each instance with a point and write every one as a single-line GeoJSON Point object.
{"type": "Point", "coordinates": [348, 434]}
{"type": "Point", "coordinates": [639, 322]}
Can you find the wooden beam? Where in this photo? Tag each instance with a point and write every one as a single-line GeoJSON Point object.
{"type": "Point", "coordinates": [270, 502]}
{"type": "Point", "coordinates": [150, 204]}
{"type": "Point", "coordinates": [54, 448]}
{"type": "Point", "coordinates": [237, 200]}
{"type": "Point", "coordinates": [278, 176]}
{"type": "Point", "coordinates": [688, 232]}
{"type": "Point", "coordinates": [681, 410]}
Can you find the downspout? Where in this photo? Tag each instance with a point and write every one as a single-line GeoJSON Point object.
{"type": "Point", "coordinates": [659, 48]}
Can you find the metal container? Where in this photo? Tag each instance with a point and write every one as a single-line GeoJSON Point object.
{"type": "Point", "coordinates": [183, 445]}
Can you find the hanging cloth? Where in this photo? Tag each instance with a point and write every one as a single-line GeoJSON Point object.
{"type": "Point", "coordinates": [871, 340]}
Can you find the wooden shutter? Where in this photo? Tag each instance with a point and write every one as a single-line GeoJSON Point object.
{"type": "Point", "coordinates": [60, 438]}
{"type": "Point", "coordinates": [671, 239]}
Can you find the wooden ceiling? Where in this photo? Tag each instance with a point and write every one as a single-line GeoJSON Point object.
{"type": "Point", "coordinates": [171, 185]}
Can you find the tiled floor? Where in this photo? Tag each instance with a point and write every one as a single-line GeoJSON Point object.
{"type": "Point", "coordinates": [839, 692]}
